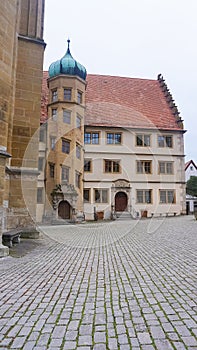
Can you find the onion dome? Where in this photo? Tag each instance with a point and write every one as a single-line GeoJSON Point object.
{"type": "Point", "coordinates": [67, 65]}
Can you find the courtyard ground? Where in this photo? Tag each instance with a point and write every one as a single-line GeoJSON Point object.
{"type": "Point", "coordinates": [117, 285]}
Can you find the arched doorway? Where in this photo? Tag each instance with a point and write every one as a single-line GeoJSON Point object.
{"type": "Point", "coordinates": [121, 201]}
{"type": "Point", "coordinates": [64, 210]}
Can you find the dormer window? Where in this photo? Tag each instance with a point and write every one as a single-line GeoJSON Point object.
{"type": "Point", "coordinates": [67, 94]}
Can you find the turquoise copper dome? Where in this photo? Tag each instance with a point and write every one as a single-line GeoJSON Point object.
{"type": "Point", "coordinates": [67, 65]}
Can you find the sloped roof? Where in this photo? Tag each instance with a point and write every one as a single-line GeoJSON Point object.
{"type": "Point", "coordinates": [189, 163]}
{"type": "Point", "coordinates": [123, 102]}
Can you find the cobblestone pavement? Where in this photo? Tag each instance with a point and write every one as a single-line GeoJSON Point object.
{"type": "Point", "coordinates": [120, 285]}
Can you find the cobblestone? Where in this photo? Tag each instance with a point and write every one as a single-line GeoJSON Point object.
{"type": "Point", "coordinates": [112, 286]}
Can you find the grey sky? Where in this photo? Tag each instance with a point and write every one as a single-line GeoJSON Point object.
{"type": "Point", "coordinates": [133, 38]}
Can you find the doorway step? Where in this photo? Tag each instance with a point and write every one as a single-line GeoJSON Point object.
{"type": "Point", "coordinates": [123, 215]}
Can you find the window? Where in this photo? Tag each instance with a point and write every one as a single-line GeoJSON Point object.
{"type": "Point", "coordinates": [78, 121]}
{"type": "Point", "coordinates": [113, 138]}
{"type": "Point", "coordinates": [143, 140]}
{"type": "Point", "coordinates": [54, 95]}
{"type": "Point", "coordinates": [65, 173]}
{"type": "Point", "coordinates": [112, 166]}
{"type": "Point", "coordinates": [100, 195]}
{"type": "Point", "coordinates": [52, 169]}
{"type": "Point", "coordinates": [42, 134]}
{"type": "Point", "coordinates": [66, 146]}
{"type": "Point", "coordinates": [91, 138]}
{"type": "Point", "coordinates": [144, 196]}
{"type": "Point", "coordinates": [78, 151]}
{"type": "Point", "coordinates": [165, 141]}
{"type": "Point", "coordinates": [67, 94]}
{"type": "Point", "coordinates": [87, 165]}
{"type": "Point", "coordinates": [167, 196]}
{"type": "Point", "coordinates": [40, 195]}
{"type": "Point", "coordinates": [86, 195]}
{"type": "Point", "coordinates": [40, 163]}
{"type": "Point", "coordinates": [77, 179]}
{"type": "Point", "coordinates": [54, 114]}
{"type": "Point", "coordinates": [66, 116]}
{"type": "Point", "coordinates": [52, 142]}
{"type": "Point", "coordinates": [79, 97]}
{"type": "Point", "coordinates": [165, 167]}
{"type": "Point", "coordinates": [144, 167]}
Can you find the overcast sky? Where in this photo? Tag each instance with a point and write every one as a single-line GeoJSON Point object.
{"type": "Point", "coordinates": [132, 38]}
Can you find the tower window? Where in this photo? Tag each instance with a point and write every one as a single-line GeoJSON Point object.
{"type": "Point", "coordinates": [79, 97]}
{"type": "Point", "coordinates": [65, 173]}
{"type": "Point", "coordinates": [66, 116]}
{"type": "Point", "coordinates": [67, 94]}
{"type": "Point", "coordinates": [66, 146]}
{"type": "Point", "coordinates": [78, 151]}
{"type": "Point", "coordinates": [77, 179]}
{"type": "Point", "coordinates": [52, 141]}
{"type": "Point", "coordinates": [52, 169]}
{"type": "Point", "coordinates": [54, 95]}
{"type": "Point", "coordinates": [54, 114]}
{"type": "Point", "coordinates": [78, 121]}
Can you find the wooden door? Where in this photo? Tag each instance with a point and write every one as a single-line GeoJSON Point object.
{"type": "Point", "coordinates": [64, 210]}
{"type": "Point", "coordinates": [121, 201]}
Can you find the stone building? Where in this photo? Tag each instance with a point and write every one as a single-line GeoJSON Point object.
{"type": "Point", "coordinates": [21, 65]}
{"type": "Point", "coordinates": [124, 146]}
{"type": "Point", "coordinates": [191, 201]}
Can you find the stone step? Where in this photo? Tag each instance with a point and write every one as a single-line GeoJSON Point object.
{"type": "Point", "coordinates": [123, 215]}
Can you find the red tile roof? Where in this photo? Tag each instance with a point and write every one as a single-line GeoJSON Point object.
{"type": "Point", "coordinates": [123, 102]}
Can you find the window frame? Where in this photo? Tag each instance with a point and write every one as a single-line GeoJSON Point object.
{"type": "Point", "coordinates": [54, 115]}
{"type": "Point", "coordinates": [67, 177]}
{"type": "Point", "coordinates": [141, 165]}
{"type": "Point", "coordinates": [65, 143]}
{"type": "Point", "coordinates": [78, 151]}
{"type": "Point", "coordinates": [65, 120]}
{"type": "Point", "coordinates": [92, 138]}
{"type": "Point", "coordinates": [68, 95]}
{"type": "Point", "coordinates": [165, 193]}
{"type": "Point", "coordinates": [87, 161]}
{"type": "Point", "coordinates": [112, 167]}
{"type": "Point", "coordinates": [89, 195]}
{"type": "Point", "coordinates": [162, 143]}
{"type": "Point", "coordinates": [101, 192]}
{"type": "Point", "coordinates": [144, 142]}
{"type": "Point", "coordinates": [78, 121]}
{"type": "Point", "coordinates": [79, 97]}
{"type": "Point", "coordinates": [113, 138]}
{"type": "Point", "coordinates": [143, 196]}
{"type": "Point", "coordinates": [78, 180]}
{"type": "Point", "coordinates": [165, 165]}
{"type": "Point", "coordinates": [54, 95]}
{"type": "Point", "coordinates": [52, 170]}
{"type": "Point", "coordinates": [52, 143]}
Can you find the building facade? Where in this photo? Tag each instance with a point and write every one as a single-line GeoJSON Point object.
{"type": "Point", "coordinates": [21, 65]}
{"type": "Point", "coordinates": [124, 140]}
{"type": "Point", "coordinates": [191, 201]}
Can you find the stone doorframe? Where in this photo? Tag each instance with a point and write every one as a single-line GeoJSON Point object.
{"type": "Point", "coordinates": [64, 192]}
{"type": "Point", "coordinates": [120, 185]}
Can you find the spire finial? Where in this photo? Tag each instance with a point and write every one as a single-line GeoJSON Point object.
{"type": "Point", "coordinates": [68, 41]}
